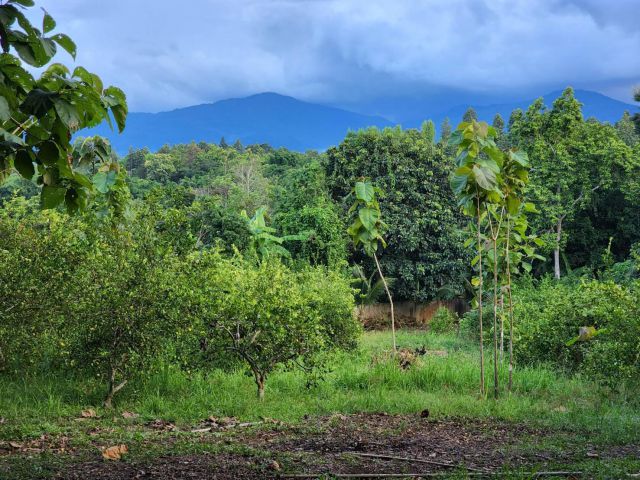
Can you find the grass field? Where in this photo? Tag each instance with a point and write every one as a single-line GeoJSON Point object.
{"type": "Point", "coordinates": [573, 413]}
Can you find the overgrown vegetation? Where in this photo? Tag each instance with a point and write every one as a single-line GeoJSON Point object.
{"type": "Point", "coordinates": [184, 270]}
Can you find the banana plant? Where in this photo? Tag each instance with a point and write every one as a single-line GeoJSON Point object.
{"type": "Point", "coordinates": [263, 238]}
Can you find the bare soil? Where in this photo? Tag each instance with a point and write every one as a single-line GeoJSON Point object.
{"type": "Point", "coordinates": [355, 444]}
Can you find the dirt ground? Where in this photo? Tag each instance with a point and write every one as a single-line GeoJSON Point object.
{"type": "Point", "coordinates": [354, 446]}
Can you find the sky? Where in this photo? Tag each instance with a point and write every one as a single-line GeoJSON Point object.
{"type": "Point", "coordinates": [167, 54]}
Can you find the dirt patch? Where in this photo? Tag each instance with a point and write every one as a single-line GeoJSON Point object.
{"type": "Point", "coordinates": [354, 444]}
{"type": "Point", "coordinates": [200, 466]}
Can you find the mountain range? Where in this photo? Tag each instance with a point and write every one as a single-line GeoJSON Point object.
{"type": "Point", "coordinates": [284, 121]}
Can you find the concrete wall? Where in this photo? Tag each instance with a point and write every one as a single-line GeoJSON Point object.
{"type": "Point", "coordinates": [407, 314]}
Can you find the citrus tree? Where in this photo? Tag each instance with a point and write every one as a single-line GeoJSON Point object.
{"type": "Point", "coordinates": [40, 114]}
{"type": "Point", "coordinates": [269, 316]}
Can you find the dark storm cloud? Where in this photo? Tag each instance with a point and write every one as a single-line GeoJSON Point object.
{"type": "Point", "coordinates": [168, 54]}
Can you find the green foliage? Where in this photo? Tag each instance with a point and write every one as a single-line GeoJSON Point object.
{"type": "Point", "coordinates": [601, 165]}
{"type": "Point", "coordinates": [41, 255]}
{"type": "Point", "coordinates": [425, 246]}
{"type": "Point", "coordinates": [324, 241]}
{"type": "Point", "coordinates": [269, 316]}
{"type": "Point", "coordinates": [126, 308]}
{"type": "Point", "coordinates": [38, 116]}
{"type": "Point", "coordinates": [370, 289]}
{"type": "Point", "coordinates": [263, 241]}
{"type": "Point", "coordinates": [551, 314]}
{"type": "Point", "coordinates": [367, 227]}
{"type": "Point", "coordinates": [444, 321]}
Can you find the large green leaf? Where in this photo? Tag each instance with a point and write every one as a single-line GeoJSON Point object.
{"type": "Point", "coordinates": [519, 157]}
{"type": "Point", "coordinates": [364, 191]}
{"type": "Point", "coordinates": [38, 102]}
{"type": "Point", "coordinates": [513, 204]}
{"type": "Point", "coordinates": [369, 217]}
{"type": "Point", "coordinates": [458, 183]}
{"type": "Point", "coordinates": [5, 112]}
{"type": "Point", "coordinates": [24, 3]}
{"type": "Point", "coordinates": [23, 163]}
{"type": "Point", "coordinates": [52, 196]}
{"type": "Point", "coordinates": [104, 181]}
{"type": "Point", "coordinates": [48, 23]}
{"type": "Point", "coordinates": [67, 113]}
{"type": "Point", "coordinates": [65, 42]}
{"type": "Point", "coordinates": [484, 177]}
{"type": "Point", "coordinates": [49, 153]}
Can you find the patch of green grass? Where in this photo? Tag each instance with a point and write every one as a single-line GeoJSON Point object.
{"type": "Point", "coordinates": [361, 381]}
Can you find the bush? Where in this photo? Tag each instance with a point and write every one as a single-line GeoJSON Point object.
{"type": "Point", "coordinates": [268, 315]}
{"type": "Point", "coordinates": [126, 304]}
{"type": "Point", "coordinates": [444, 321]}
{"type": "Point", "coordinates": [40, 255]}
{"type": "Point", "coordinates": [551, 314]}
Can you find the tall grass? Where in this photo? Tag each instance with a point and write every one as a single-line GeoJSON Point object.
{"type": "Point", "coordinates": [362, 381]}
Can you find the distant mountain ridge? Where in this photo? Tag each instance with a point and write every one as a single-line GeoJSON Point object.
{"type": "Point", "coordinates": [278, 120]}
{"type": "Point", "coordinates": [284, 121]}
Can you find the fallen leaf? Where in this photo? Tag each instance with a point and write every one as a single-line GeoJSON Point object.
{"type": "Point", "coordinates": [15, 445]}
{"type": "Point", "coordinates": [127, 414]}
{"type": "Point", "coordinates": [115, 452]}
{"type": "Point", "coordinates": [89, 413]}
{"type": "Point", "coordinates": [275, 466]}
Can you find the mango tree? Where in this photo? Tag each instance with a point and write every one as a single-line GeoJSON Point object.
{"type": "Point", "coordinates": [367, 230]}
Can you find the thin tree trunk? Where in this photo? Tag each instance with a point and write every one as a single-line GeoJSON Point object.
{"type": "Point", "coordinates": [386, 288]}
{"type": "Point", "coordinates": [495, 315]}
{"type": "Point", "coordinates": [556, 250]}
{"type": "Point", "coordinates": [480, 282]}
{"type": "Point", "coordinates": [260, 380]}
{"type": "Point", "coordinates": [113, 388]}
{"type": "Point", "coordinates": [501, 325]}
{"type": "Point", "coordinates": [510, 306]}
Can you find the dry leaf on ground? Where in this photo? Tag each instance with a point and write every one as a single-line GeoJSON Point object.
{"type": "Point", "coordinates": [114, 453]}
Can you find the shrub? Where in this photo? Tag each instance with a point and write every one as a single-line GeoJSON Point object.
{"type": "Point", "coordinates": [268, 315]}
{"type": "Point", "coordinates": [125, 307]}
{"type": "Point", "coordinates": [444, 321]}
{"type": "Point", "coordinates": [552, 314]}
{"type": "Point", "coordinates": [40, 254]}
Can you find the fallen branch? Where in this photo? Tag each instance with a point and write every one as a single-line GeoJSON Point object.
{"type": "Point", "coordinates": [415, 460]}
{"type": "Point", "coordinates": [423, 475]}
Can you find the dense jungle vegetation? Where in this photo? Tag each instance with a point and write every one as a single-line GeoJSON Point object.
{"type": "Point", "coordinates": [172, 283]}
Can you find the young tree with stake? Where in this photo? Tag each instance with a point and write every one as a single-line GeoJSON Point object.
{"type": "Point", "coordinates": [367, 230]}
